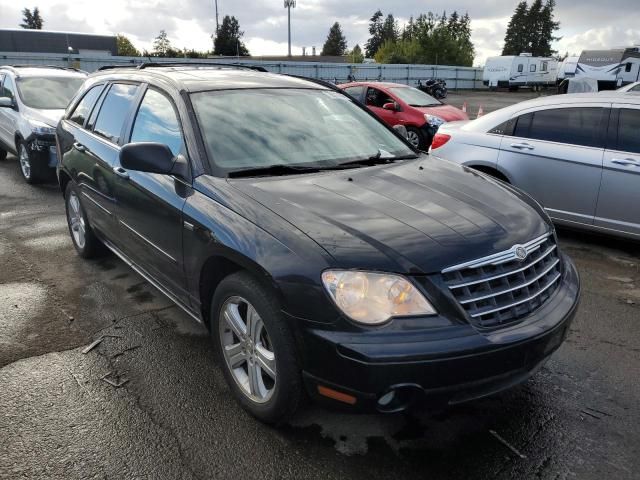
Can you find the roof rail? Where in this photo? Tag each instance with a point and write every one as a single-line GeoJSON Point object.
{"type": "Point", "coordinates": [57, 67]}
{"type": "Point", "coordinates": [144, 65]}
{"type": "Point", "coordinates": [318, 81]}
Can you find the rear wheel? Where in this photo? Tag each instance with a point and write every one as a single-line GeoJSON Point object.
{"type": "Point", "coordinates": [256, 349]}
{"type": "Point", "coordinates": [415, 137]}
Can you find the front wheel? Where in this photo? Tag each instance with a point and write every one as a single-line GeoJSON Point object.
{"type": "Point", "coordinates": [28, 165]}
{"type": "Point", "coordinates": [84, 240]}
{"type": "Point", "coordinates": [256, 349]}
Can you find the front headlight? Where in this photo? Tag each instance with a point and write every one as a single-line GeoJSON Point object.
{"type": "Point", "coordinates": [40, 128]}
{"type": "Point", "coordinates": [374, 298]}
{"type": "Point", "coordinates": [434, 120]}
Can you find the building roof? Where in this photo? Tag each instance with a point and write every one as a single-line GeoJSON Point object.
{"type": "Point", "coordinates": [45, 41]}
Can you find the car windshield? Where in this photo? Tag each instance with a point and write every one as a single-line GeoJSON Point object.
{"type": "Point", "coordinates": [414, 97]}
{"type": "Point", "coordinates": [262, 128]}
{"type": "Point", "coordinates": [48, 93]}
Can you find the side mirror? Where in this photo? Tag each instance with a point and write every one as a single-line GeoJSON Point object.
{"type": "Point", "coordinates": [402, 130]}
{"type": "Point", "coordinates": [6, 102]}
{"type": "Point", "coordinates": [147, 157]}
{"type": "Point", "coordinates": [393, 106]}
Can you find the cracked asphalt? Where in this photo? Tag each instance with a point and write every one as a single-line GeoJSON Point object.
{"type": "Point", "coordinates": [149, 401]}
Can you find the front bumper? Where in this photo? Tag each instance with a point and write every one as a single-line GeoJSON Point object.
{"type": "Point", "coordinates": [444, 365]}
{"type": "Point", "coordinates": [43, 148]}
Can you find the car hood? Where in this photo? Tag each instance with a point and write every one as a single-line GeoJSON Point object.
{"type": "Point", "coordinates": [50, 117]}
{"type": "Point", "coordinates": [415, 216]}
{"type": "Point", "coordinates": [446, 112]}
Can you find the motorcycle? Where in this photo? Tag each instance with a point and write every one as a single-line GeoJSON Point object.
{"type": "Point", "coordinates": [436, 87]}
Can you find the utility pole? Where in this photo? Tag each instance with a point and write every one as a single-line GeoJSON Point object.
{"type": "Point", "coordinates": [289, 4]}
{"type": "Point", "coordinates": [217, 23]}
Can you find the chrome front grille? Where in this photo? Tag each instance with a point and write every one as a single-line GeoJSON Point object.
{"type": "Point", "coordinates": [501, 289]}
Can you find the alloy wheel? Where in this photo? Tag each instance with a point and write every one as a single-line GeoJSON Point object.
{"type": "Point", "coordinates": [247, 349]}
{"type": "Point", "coordinates": [76, 220]}
{"type": "Point", "coordinates": [25, 163]}
{"type": "Point", "coordinates": [414, 138]}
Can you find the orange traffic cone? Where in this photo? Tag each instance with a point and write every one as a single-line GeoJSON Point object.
{"type": "Point", "coordinates": [464, 107]}
{"type": "Point", "coordinates": [480, 112]}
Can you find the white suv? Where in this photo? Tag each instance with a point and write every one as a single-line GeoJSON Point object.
{"type": "Point", "coordinates": [32, 101]}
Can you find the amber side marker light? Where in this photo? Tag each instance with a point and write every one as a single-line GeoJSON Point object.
{"type": "Point", "coordinates": [335, 395]}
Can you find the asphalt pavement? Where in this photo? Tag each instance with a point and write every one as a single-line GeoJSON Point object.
{"type": "Point", "coordinates": [149, 401]}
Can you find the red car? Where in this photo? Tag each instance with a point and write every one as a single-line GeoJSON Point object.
{"type": "Point", "coordinates": [399, 104]}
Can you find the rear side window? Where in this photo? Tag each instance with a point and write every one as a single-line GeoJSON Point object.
{"type": "Point", "coordinates": [576, 126]}
{"type": "Point", "coordinates": [635, 89]}
{"type": "Point", "coordinates": [628, 128]}
{"type": "Point", "coordinates": [355, 92]}
{"type": "Point", "coordinates": [114, 110]}
{"type": "Point", "coordinates": [157, 121]}
{"type": "Point", "coordinates": [83, 109]}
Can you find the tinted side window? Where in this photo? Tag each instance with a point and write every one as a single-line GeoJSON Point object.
{"type": "Point", "coordinates": [635, 89]}
{"type": "Point", "coordinates": [576, 126]}
{"type": "Point", "coordinates": [157, 121]}
{"type": "Point", "coordinates": [114, 111]}
{"type": "Point", "coordinates": [82, 110]}
{"type": "Point", "coordinates": [520, 68]}
{"type": "Point", "coordinates": [355, 92]}
{"type": "Point", "coordinates": [532, 68]}
{"type": "Point", "coordinates": [628, 128]}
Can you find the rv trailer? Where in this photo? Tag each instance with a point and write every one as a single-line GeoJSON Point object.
{"type": "Point", "coordinates": [611, 68]}
{"type": "Point", "coordinates": [523, 70]}
{"type": "Point", "coordinates": [567, 68]}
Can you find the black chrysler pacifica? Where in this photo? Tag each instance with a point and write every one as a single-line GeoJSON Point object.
{"type": "Point", "coordinates": [326, 256]}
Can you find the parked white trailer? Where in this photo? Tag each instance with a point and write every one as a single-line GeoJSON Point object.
{"type": "Point", "coordinates": [520, 71]}
{"type": "Point", "coordinates": [611, 68]}
{"type": "Point", "coordinates": [567, 68]}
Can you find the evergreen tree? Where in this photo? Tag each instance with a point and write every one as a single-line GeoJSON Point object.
{"type": "Point", "coordinates": [548, 26]}
{"type": "Point", "coordinates": [162, 45]}
{"type": "Point", "coordinates": [31, 20]}
{"type": "Point", "coordinates": [228, 40]}
{"type": "Point", "coordinates": [336, 44]}
{"type": "Point", "coordinates": [125, 47]}
{"type": "Point", "coordinates": [515, 39]}
{"type": "Point", "coordinates": [356, 55]}
{"type": "Point", "coordinates": [375, 30]}
{"type": "Point", "coordinates": [390, 30]}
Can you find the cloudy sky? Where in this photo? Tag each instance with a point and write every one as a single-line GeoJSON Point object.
{"type": "Point", "coordinates": [585, 24]}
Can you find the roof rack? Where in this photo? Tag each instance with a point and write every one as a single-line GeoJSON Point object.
{"type": "Point", "coordinates": [144, 65]}
{"type": "Point", "coordinates": [57, 67]}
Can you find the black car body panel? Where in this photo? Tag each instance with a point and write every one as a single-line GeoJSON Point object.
{"type": "Point", "coordinates": [411, 217]}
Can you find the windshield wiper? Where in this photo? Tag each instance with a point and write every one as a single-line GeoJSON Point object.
{"type": "Point", "coordinates": [272, 170]}
{"type": "Point", "coordinates": [376, 159]}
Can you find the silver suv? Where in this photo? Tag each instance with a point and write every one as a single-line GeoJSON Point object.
{"type": "Point", "coordinates": [32, 101]}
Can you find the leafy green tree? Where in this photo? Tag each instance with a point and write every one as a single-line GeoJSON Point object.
{"type": "Point", "coordinates": [32, 20]}
{"type": "Point", "coordinates": [336, 43]}
{"type": "Point", "coordinates": [125, 47]}
{"type": "Point", "coordinates": [228, 40]}
{"type": "Point", "coordinates": [431, 39]}
{"type": "Point", "coordinates": [162, 45]}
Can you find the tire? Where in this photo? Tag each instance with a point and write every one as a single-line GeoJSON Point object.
{"type": "Point", "coordinates": [31, 169]}
{"type": "Point", "coordinates": [416, 138]}
{"type": "Point", "coordinates": [272, 399]}
{"type": "Point", "coordinates": [84, 239]}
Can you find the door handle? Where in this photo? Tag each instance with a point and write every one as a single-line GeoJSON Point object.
{"type": "Point", "coordinates": [80, 147]}
{"type": "Point", "coordinates": [121, 172]}
{"type": "Point", "coordinates": [626, 162]}
{"type": "Point", "coordinates": [522, 146]}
